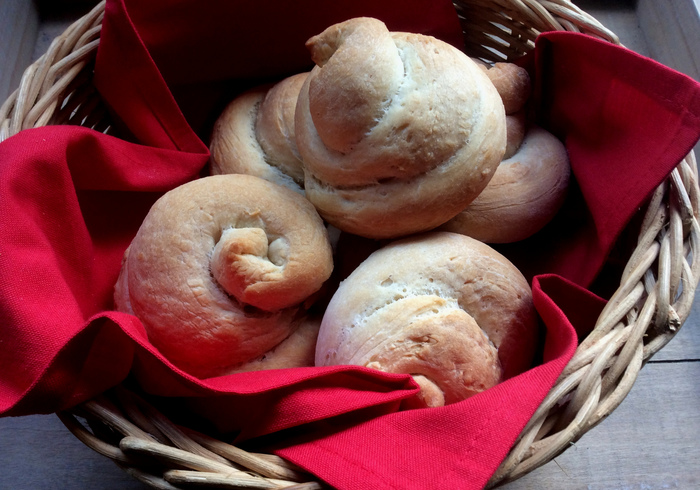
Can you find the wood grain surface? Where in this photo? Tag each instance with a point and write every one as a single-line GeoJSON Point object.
{"type": "Point", "coordinates": [19, 24]}
{"type": "Point", "coordinates": [650, 442]}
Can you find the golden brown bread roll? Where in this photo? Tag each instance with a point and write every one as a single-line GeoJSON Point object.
{"type": "Point", "coordinates": [530, 184]}
{"type": "Point", "coordinates": [443, 307]}
{"type": "Point", "coordinates": [398, 132]}
{"type": "Point", "coordinates": [512, 83]}
{"type": "Point", "coordinates": [219, 268]}
{"type": "Point", "coordinates": [255, 135]}
{"type": "Point", "coordinates": [525, 193]}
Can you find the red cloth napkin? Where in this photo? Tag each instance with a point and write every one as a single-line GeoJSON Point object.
{"type": "Point", "coordinates": [72, 199]}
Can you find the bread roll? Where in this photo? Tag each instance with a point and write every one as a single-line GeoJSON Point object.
{"type": "Point", "coordinates": [255, 135]}
{"type": "Point", "coordinates": [512, 83]}
{"type": "Point", "coordinates": [530, 184]}
{"type": "Point", "coordinates": [443, 307]}
{"type": "Point", "coordinates": [525, 193]}
{"type": "Point", "coordinates": [219, 269]}
{"type": "Point", "coordinates": [398, 132]}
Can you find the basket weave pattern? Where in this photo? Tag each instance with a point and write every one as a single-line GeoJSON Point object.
{"type": "Point", "coordinates": [653, 299]}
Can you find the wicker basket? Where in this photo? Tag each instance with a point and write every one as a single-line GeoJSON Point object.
{"type": "Point", "coordinates": [653, 299]}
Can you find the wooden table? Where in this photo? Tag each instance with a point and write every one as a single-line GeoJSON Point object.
{"type": "Point", "coordinates": [650, 442]}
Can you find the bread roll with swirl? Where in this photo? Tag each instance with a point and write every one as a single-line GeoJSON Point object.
{"type": "Point", "coordinates": [512, 83]}
{"type": "Point", "coordinates": [398, 132]}
{"type": "Point", "coordinates": [443, 307]}
{"type": "Point", "coordinates": [525, 193]}
{"type": "Point", "coordinates": [529, 185]}
{"type": "Point", "coordinates": [219, 269]}
{"type": "Point", "coordinates": [255, 135]}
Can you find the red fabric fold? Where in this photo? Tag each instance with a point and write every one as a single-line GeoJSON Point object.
{"type": "Point", "coordinates": [626, 121]}
{"type": "Point", "coordinates": [73, 198]}
{"type": "Point", "coordinates": [133, 88]}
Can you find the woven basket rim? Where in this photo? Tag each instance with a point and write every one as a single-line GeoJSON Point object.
{"type": "Point", "coordinates": [654, 297]}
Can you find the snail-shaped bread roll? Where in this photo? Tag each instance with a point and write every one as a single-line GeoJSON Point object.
{"type": "Point", "coordinates": [530, 184]}
{"type": "Point", "coordinates": [512, 83]}
{"type": "Point", "coordinates": [443, 307]}
{"type": "Point", "coordinates": [398, 132]}
{"type": "Point", "coordinates": [255, 135]}
{"type": "Point", "coordinates": [525, 193]}
{"type": "Point", "coordinates": [219, 270]}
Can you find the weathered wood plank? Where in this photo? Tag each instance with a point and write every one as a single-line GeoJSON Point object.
{"type": "Point", "coordinates": [671, 31]}
{"type": "Point", "coordinates": [19, 24]}
{"type": "Point", "coordinates": [37, 451]}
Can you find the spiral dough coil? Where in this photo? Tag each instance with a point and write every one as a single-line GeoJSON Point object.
{"type": "Point", "coordinates": [530, 184]}
{"type": "Point", "coordinates": [398, 132]}
{"type": "Point", "coordinates": [440, 306]}
{"type": "Point", "coordinates": [255, 135]}
{"type": "Point", "coordinates": [219, 269]}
